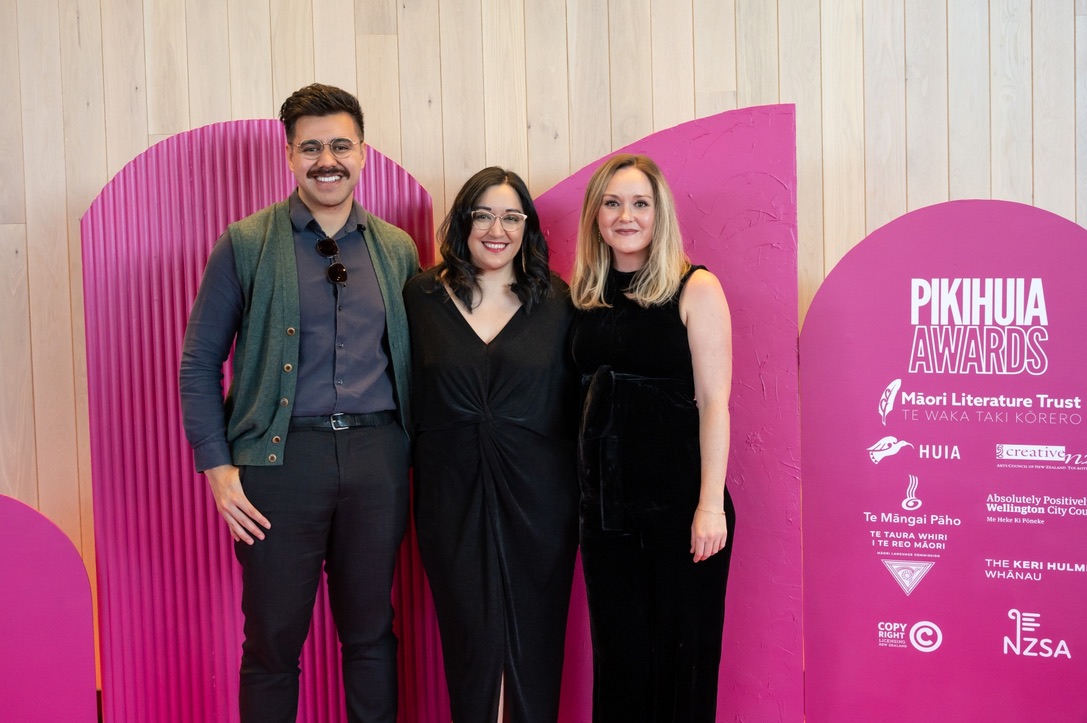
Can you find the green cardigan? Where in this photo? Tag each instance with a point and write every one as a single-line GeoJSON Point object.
{"type": "Point", "coordinates": [261, 398]}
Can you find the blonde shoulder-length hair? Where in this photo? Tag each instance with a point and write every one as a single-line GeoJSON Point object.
{"type": "Point", "coordinates": [659, 279]}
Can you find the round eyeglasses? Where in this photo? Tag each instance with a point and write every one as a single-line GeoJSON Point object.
{"type": "Point", "coordinates": [337, 272]}
{"type": "Point", "coordinates": [311, 150]}
{"type": "Point", "coordinates": [511, 220]}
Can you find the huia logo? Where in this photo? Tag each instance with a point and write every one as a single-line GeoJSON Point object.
{"type": "Point", "coordinates": [886, 447]}
{"type": "Point", "coordinates": [1026, 644]}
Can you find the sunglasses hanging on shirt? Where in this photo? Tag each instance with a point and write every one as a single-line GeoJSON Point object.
{"type": "Point", "coordinates": [337, 272]}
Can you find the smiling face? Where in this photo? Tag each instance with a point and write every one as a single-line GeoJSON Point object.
{"type": "Point", "coordinates": [494, 249]}
{"type": "Point", "coordinates": [326, 183]}
{"type": "Point", "coordinates": [626, 218]}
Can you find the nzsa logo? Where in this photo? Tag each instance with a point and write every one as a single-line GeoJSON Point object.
{"type": "Point", "coordinates": [1025, 643]}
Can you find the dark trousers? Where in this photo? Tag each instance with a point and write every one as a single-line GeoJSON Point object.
{"type": "Point", "coordinates": [656, 618]}
{"type": "Point", "coordinates": [340, 500]}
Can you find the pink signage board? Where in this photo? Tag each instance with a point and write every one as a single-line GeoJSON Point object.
{"type": "Point", "coordinates": [944, 471]}
{"type": "Point", "coordinates": [733, 176]}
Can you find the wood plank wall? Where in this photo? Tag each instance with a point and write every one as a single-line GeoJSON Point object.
{"type": "Point", "coordinates": [900, 104]}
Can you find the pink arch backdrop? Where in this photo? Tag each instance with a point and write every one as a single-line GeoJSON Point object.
{"type": "Point", "coordinates": [168, 583]}
{"type": "Point", "coordinates": [734, 179]}
{"type": "Point", "coordinates": [46, 630]}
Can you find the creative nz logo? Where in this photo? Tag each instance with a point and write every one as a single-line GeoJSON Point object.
{"type": "Point", "coordinates": [1026, 641]}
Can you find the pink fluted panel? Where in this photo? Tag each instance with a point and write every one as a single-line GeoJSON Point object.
{"type": "Point", "coordinates": [168, 584]}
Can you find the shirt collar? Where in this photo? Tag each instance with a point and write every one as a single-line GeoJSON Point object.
{"type": "Point", "coordinates": [302, 217]}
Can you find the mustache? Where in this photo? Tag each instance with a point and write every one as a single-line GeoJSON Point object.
{"type": "Point", "coordinates": [325, 170]}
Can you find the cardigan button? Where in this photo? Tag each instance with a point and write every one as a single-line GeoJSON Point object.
{"type": "Point", "coordinates": [291, 331]}
{"type": "Point", "coordinates": [272, 458]}
{"type": "Point", "coordinates": [276, 439]}
{"type": "Point", "coordinates": [284, 402]}
{"type": "Point", "coordinates": [288, 367]}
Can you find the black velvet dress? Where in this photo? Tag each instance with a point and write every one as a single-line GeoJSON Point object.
{"type": "Point", "coordinates": [496, 497]}
{"type": "Point", "coordinates": [656, 616]}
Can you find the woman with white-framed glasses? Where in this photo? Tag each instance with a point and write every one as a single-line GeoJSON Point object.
{"type": "Point", "coordinates": [495, 481]}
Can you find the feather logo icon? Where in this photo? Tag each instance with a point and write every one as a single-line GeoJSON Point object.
{"type": "Point", "coordinates": [885, 448]}
{"type": "Point", "coordinates": [887, 399]}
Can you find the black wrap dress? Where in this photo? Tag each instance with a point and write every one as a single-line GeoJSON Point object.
{"type": "Point", "coordinates": [496, 497]}
{"type": "Point", "coordinates": [656, 616]}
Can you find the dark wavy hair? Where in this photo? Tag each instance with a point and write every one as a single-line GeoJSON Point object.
{"type": "Point", "coordinates": [319, 100]}
{"type": "Point", "coordinates": [532, 273]}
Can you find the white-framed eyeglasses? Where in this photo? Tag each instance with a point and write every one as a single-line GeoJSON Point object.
{"type": "Point", "coordinates": [312, 149]}
{"type": "Point", "coordinates": [511, 220]}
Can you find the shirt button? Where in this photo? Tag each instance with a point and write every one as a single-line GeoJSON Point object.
{"type": "Point", "coordinates": [288, 367]}
{"type": "Point", "coordinates": [339, 381]}
{"type": "Point", "coordinates": [272, 458]}
{"type": "Point", "coordinates": [284, 402]}
{"type": "Point", "coordinates": [276, 439]}
{"type": "Point", "coordinates": [340, 345]}
{"type": "Point", "coordinates": [291, 331]}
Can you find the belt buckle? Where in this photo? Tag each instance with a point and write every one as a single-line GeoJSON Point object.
{"type": "Point", "coordinates": [338, 421]}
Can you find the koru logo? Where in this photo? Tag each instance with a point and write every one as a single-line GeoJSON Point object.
{"type": "Point", "coordinates": [926, 636]}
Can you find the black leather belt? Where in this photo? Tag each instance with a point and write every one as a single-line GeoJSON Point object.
{"type": "Point", "coordinates": [336, 422]}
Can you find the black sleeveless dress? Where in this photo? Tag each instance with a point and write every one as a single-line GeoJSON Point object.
{"type": "Point", "coordinates": [656, 616]}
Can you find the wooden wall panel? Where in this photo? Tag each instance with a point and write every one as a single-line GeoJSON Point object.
{"type": "Point", "coordinates": [292, 46]}
{"type": "Point", "coordinates": [465, 117]}
{"type": "Point", "coordinates": [842, 67]}
{"type": "Point", "coordinates": [85, 172]}
{"type": "Point", "coordinates": [756, 53]}
{"type": "Point", "coordinates": [207, 39]}
{"type": "Point", "coordinates": [504, 85]}
{"type": "Point", "coordinates": [334, 43]}
{"type": "Point", "coordinates": [590, 84]}
{"type": "Point", "coordinates": [715, 56]}
{"type": "Point", "coordinates": [124, 84]}
{"type": "Point", "coordinates": [49, 284]}
{"type": "Point", "coordinates": [1053, 57]}
{"type": "Point", "coordinates": [631, 71]}
{"type": "Point", "coordinates": [166, 50]}
{"type": "Point", "coordinates": [421, 97]}
{"type": "Point", "coordinates": [926, 103]}
{"type": "Point", "coordinates": [249, 23]}
{"type": "Point", "coordinates": [672, 26]}
{"type": "Point", "coordinates": [884, 111]}
{"type": "Point", "coordinates": [1010, 110]}
{"type": "Point", "coordinates": [378, 71]}
{"type": "Point", "coordinates": [18, 459]}
{"type": "Point", "coordinates": [12, 185]}
{"type": "Point", "coordinates": [548, 94]}
{"type": "Point", "coordinates": [969, 174]}
{"type": "Point", "coordinates": [801, 84]}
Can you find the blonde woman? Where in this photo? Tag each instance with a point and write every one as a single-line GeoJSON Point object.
{"type": "Point", "coordinates": [652, 340]}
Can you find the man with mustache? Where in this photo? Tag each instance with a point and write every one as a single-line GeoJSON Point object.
{"type": "Point", "coordinates": [307, 458]}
